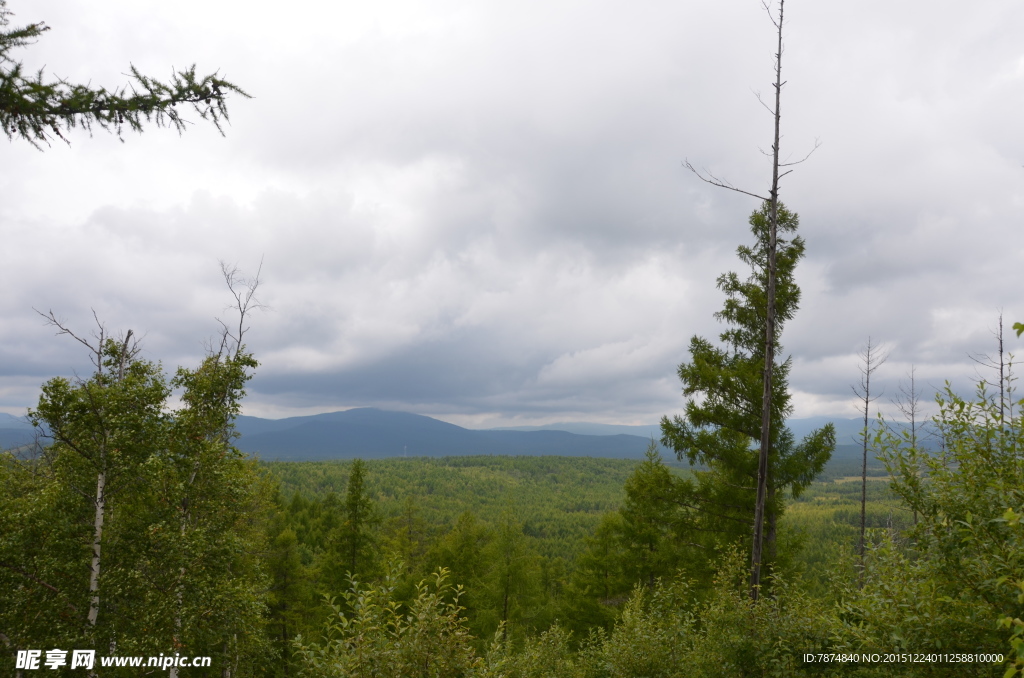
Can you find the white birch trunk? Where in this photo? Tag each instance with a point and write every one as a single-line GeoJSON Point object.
{"type": "Point", "coordinates": [97, 538]}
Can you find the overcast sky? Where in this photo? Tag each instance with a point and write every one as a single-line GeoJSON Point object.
{"type": "Point", "coordinates": [477, 210]}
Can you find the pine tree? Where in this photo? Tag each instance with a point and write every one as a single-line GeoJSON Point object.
{"type": "Point", "coordinates": [510, 587]}
{"type": "Point", "coordinates": [648, 516]}
{"type": "Point", "coordinates": [462, 553]}
{"type": "Point", "coordinates": [359, 517]}
{"type": "Point", "coordinates": [720, 428]}
{"type": "Point", "coordinates": [350, 551]}
{"type": "Point", "coordinates": [289, 595]}
{"type": "Point", "coordinates": [35, 109]}
{"type": "Point", "coordinates": [598, 586]}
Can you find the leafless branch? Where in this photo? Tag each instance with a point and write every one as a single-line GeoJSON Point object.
{"type": "Point", "coordinates": [244, 292]}
{"type": "Point", "coordinates": [95, 352]}
{"type": "Point", "coordinates": [870, 362]}
{"type": "Point", "coordinates": [129, 347]}
{"type": "Point", "coordinates": [761, 101]}
{"type": "Point", "coordinates": [768, 8]}
{"type": "Point", "coordinates": [721, 183]}
{"type": "Point", "coordinates": [817, 145]}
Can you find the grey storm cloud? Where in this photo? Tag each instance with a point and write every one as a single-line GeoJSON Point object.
{"type": "Point", "coordinates": [478, 210]}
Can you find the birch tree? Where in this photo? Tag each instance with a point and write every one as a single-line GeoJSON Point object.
{"type": "Point", "coordinates": [106, 428]}
{"type": "Point", "coordinates": [159, 533]}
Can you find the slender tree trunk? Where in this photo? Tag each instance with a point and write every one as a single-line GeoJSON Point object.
{"type": "Point", "coordinates": [504, 609]}
{"type": "Point", "coordinates": [1002, 378]}
{"type": "Point", "coordinates": [177, 623]}
{"type": "Point", "coordinates": [97, 540]}
{"type": "Point", "coordinates": [772, 520]}
{"type": "Point", "coordinates": [186, 511]}
{"type": "Point", "coordinates": [864, 474]}
{"type": "Point", "coordinates": [769, 336]}
{"type": "Point", "coordinates": [913, 424]}
{"type": "Point", "coordinates": [873, 358]}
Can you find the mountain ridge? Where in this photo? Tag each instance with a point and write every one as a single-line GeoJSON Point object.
{"type": "Point", "coordinates": [374, 433]}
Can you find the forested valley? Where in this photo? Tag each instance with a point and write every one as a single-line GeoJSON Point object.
{"type": "Point", "coordinates": [526, 566]}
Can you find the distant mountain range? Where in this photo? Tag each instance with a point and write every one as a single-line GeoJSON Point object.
{"type": "Point", "coordinates": [370, 433]}
{"type": "Point", "coordinates": [847, 430]}
{"type": "Point", "coordinates": [15, 431]}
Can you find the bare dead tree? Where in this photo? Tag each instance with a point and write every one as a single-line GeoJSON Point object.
{"type": "Point", "coordinates": [769, 351]}
{"type": "Point", "coordinates": [243, 290]}
{"type": "Point", "coordinates": [908, 402]}
{"type": "Point", "coordinates": [871, 359]}
{"type": "Point", "coordinates": [999, 364]}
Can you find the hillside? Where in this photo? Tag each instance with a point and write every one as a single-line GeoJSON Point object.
{"type": "Point", "coordinates": [370, 433]}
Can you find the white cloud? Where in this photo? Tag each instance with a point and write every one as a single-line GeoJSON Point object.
{"type": "Point", "coordinates": [478, 210]}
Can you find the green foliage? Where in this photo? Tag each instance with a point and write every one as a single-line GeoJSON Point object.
{"type": "Point", "coordinates": [372, 634]}
{"type": "Point", "coordinates": [946, 583]}
{"type": "Point", "coordinates": [561, 499]}
{"type": "Point", "coordinates": [648, 516]}
{"type": "Point", "coordinates": [461, 551]}
{"type": "Point", "coordinates": [351, 544]}
{"type": "Point", "coordinates": [544, 656]}
{"type": "Point", "coordinates": [598, 584]}
{"type": "Point", "coordinates": [823, 525]}
{"type": "Point", "coordinates": [652, 635]}
{"type": "Point", "coordinates": [723, 385]}
{"type": "Point", "coordinates": [35, 108]}
{"type": "Point", "coordinates": [640, 543]}
{"type": "Point", "coordinates": [144, 526]}
{"type": "Point", "coordinates": [43, 581]}
{"type": "Point", "coordinates": [510, 583]}
{"type": "Point", "coordinates": [289, 592]}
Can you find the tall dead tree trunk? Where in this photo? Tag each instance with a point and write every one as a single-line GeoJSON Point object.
{"type": "Point", "coordinates": [908, 402]}
{"type": "Point", "coordinates": [764, 450]}
{"type": "Point", "coordinates": [871, 361]}
{"type": "Point", "coordinates": [999, 365]}
{"type": "Point", "coordinates": [769, 335]}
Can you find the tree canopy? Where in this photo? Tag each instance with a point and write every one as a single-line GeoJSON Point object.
{"type": "Point", "coordinates": [722, 420]}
